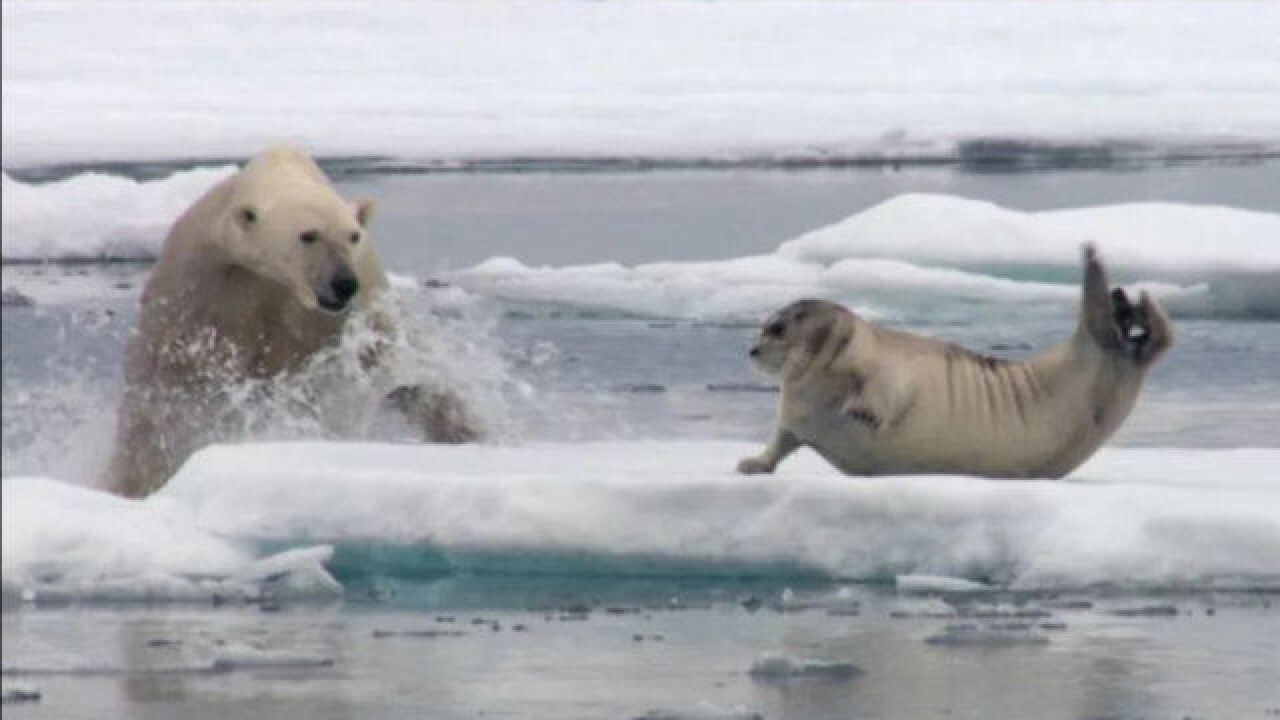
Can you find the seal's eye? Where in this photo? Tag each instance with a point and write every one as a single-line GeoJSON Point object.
{"type": "Point", "coordinates": [775, 329]}
{"type": "Point", "coordinates": [309, 237]}
{"type": "Point", "coordinates": [355, 238]}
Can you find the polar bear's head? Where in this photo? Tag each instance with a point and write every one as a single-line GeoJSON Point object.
{"type": "Point", "coordinates": [312, 247]}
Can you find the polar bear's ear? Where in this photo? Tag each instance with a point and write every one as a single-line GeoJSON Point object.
{"type": "Point", "coordinates": [364, 212]}
{"type": "Point", "coordinates": [246, 215]}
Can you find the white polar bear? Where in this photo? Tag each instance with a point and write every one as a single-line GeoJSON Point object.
{"type": "Point", "coordinates": [254, 279]}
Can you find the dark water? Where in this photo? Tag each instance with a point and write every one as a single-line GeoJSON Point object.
{"type": "Point", "coordinates": [609, 375]}
{"type": "Point", "coordinates": [429, 223]}
{"type": "Point", "coordinates": [663, 650]}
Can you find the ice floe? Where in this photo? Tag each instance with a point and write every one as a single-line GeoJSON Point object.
{"type": "Point", "coordinates": [1132, 517]}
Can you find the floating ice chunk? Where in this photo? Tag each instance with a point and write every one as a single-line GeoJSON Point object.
{"type": "Point", "coordinates": [1148, 611]}
{"type": "Point", "coordinates": [1130, 516]}
{"type": "Point", "coordinates": [939, 584]}
{"type": "Point", "coordinates": [918, 248]}
{"type": "Point", "coordinates": [64, 543]}
{"type": "Point", "coordinates": [841, 602]}
{"type": "Point", "coordinates": [702, 711]}
{"type": "Point", "coordinates": [106, 670]}
{"type": "Point", "coordinates": [13, 297]}
{"type": "Point", "coordinates": [244, 657]}
{"type": "Point", "coordinates": [291, 575]}
{"type": "Point", "coordinates": [780, 668]}
{"type": "Point", "coordinates": [923, 607]}
{"type": "Point", "coordinates": [973, 634]}
{"type": "Point", "coordinates": [13, 693]}
{"type": "Point", "coordinates": [1157, 517]}
{"type": "Point", "coordinates": [955, 231]}
{"type": "Point", "coordinates": [423, 634]}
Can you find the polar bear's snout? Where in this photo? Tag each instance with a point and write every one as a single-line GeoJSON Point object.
{"type": "Point", "coordinates": [343, 286]}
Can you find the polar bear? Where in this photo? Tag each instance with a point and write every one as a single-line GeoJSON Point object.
{"type": "Point", "coordinates": [255, 278]}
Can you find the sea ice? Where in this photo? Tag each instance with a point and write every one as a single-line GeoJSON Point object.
{"type": "Point", "coordinates": [448, 81]}
{"type": "Point", "coordinates": [63, 542]}
{"type": "Point", "coordinates": [917, 249]}
{"type": "Point", "coordinates": [975, 635]}
{"type": "Point", "coordinates": [13, 693]}
{"type": "Point", "coordinates": [92, 216]}
{"type": "Point", "coordinates": [780, 668]}
{"type": "Point", "coordinates": [640, 507]}
{"type": "Point", "coordinates": [937, 584]}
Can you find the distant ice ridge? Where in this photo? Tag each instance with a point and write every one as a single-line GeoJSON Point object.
{"type": "Point", "coordinates": [1152, 517]}
{"type": "Point", "coordinates": [92, 216]}
{"type": "Point", "coordinates": [143, 80]}
{"type": "Point", "coordinates": [929, 253]}
{"type": "Point", "coordinates": [930, 250]}
{"type": "Point", "coordinates": [953, 231]}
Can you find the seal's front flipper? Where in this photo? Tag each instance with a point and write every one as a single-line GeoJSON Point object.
{"type": "Point", "coordinates": [857, 409]}
{"type": "Point", "coordinates": [784, 443]}
{"type": "Point", "coordinates": [442, 416]}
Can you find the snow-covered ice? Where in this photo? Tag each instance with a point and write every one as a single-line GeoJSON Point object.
{"type": "Point", "coordinates": [1155, 517]}
{"type": "Point", "coordinates": [954, 231]}
{"type": "Point", "coordinates": [1197, 260]}
{"type": "Point", "coordinates": [93, 216]}
{"type": "Point", "coordinates": [92, 81]}
{"type": "Point", "coordinates": [66, 542]}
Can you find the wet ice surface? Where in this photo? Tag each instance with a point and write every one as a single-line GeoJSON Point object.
{"type": "Point", "coordinates": [568, 649]}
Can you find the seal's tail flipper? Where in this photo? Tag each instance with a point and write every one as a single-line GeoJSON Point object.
{"type": "Point", "coordinates": [1140, 331]}
{"type": "Point", "coordinates": [1096, 314]}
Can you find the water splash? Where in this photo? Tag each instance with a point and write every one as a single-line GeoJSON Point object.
{"type": "Point", "coordinates": [62, 393]}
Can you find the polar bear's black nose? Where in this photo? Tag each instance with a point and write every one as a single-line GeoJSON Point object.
{"type": "Point", "coordinates": [344, 285]}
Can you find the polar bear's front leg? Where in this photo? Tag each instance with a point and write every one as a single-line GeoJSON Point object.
{"type": "Point", "coordinates": [143, 458]}
{"type": "Point", "coordinates": [442, 415]}
{"type": "Point", "coordinates": [784, 443]}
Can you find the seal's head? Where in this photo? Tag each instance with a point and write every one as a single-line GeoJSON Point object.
{"type": "Point", "coordinates": [796, 335]}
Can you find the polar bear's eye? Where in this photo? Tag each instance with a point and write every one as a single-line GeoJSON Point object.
{"type": "Point", "coordinates": [309, 237]}
{"type": "Point", "coordinates": [355, 238]}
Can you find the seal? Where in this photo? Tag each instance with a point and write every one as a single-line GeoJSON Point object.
{"type": "Point", "coordinates": [877, 401]}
